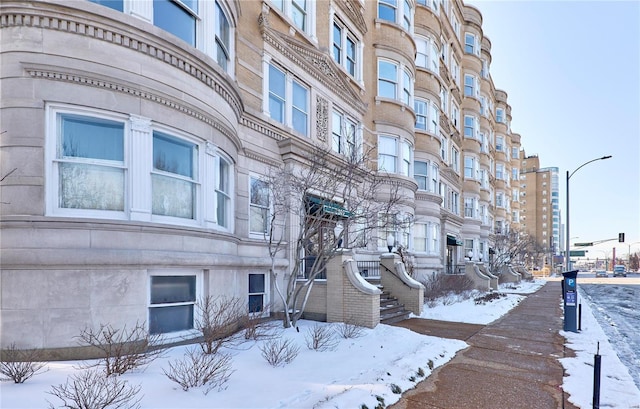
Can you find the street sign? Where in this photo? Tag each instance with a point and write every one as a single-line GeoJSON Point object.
{"type": "Point", "coordinates": [577, 253]}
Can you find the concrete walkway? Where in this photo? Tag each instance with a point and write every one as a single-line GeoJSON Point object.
{"type": "Point", "coordinates": [511, 363]}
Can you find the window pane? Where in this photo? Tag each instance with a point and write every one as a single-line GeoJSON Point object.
{"type": "Point", "coordinates": [299, 118]}
{"type": "Point", "coordinates": [172, 197]}
{"type": "Point", "coordinates": [222, 38]}
{"type": "Point", "coordinates": [276, 94]}
{"type": "Point", "coordinates": [259, 192]}
{"type": "Point", "coordinates": [351, 56]}
{"type": "Point", "coordinates": [258, 220]}
{"type": "Point", "coordinates": [387, 10]}
{"type": "Point", "coordinates": [170, 319]}
{"type": "Point", "coordinates": [173, 155]}
{"type": "Point", "coordinates": [299, 13]}
{"type": "Point", "coordinates": [173, 18]}
{"type": "Point", "coordinates": [256, 303]}
{"type": "Point", "coordinates": [84, 137]}
{"type": "Point", "coordinates": [114, 4]}
{"type": "Point", "coordinates": [337, 41]}
{"type": "Point", "coordinates": [222, 209]}
{"type": "Point", "coordinates": [256, 283]}
{"type": "Point", "coordinates": [91, 187]}
{"type": "Point", "coordinates": [173, 289]}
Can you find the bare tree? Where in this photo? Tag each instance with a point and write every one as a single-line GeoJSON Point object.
{"type": "Point", "coordinates": [512, 247]}
{"type": "Point", "coordinates": [21, 364]}
{"type": "Point", "coordinates": [322, 202]}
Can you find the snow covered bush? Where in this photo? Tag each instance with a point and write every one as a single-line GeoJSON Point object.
{"type": "Point", "coordinates": [20, 365]}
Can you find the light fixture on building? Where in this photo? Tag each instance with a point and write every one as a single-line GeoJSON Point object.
{"type": "Point", "coordinates": [390, 241]}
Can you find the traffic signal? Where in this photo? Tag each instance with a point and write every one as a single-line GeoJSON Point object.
{"type": "Point", "coordinates": [621, 237]}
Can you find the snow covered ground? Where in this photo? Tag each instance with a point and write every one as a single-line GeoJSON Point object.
{"type": "Point", "coordinates": [358, 371]}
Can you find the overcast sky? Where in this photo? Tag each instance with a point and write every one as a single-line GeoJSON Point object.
{"type": "Point", "coordinates": [571, 70]}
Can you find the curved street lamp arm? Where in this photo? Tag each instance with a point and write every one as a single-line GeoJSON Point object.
{"type": "Point", "coordinates": [586, 163]}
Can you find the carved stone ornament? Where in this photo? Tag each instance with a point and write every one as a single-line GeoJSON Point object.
{"type": "Point", "coordinates": [322, 118]}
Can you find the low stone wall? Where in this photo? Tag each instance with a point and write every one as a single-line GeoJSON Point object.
{"type": "Point", "coordinates": [394, 278]}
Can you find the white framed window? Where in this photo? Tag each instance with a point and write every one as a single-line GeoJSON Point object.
{"type": "Point", "coordinates": [300, 12]}
{"type": "Point", "coordinates": [500, 115]}
{"type": "Point", "coordinates": [514, 173]}
{"type": "Point", "coordinates": [500, 202]}
{"type": "Point", "coordinates": [471, 44]}
{"type": "Point", "coordinates": [471, 86]}
{"type": "Point", "coordinates": [258, 302]}
{"type": "Point", "coordinates": [455, 115]}
{"type": "Point", "coordinates": [345, 135]}
{"type": "Point", "coordinates": [397, 11]}
{"type": "Point", "coordinates": [421, 174]}
{"type": "Point", "coordinates": [420, 108]}
{"type": "Point", "coordinates": [346, 49]}
{"type": "Point", "coordinates": [444, 98]}
{"type": "Point", "coordinates": [288, 99]}
{"type": "Point", "coordinates": [470, 126]}
{"type": "Point", "coordinates": [420, 237]}
{"type": "Point", "coordinates": [387, 154]}
{"type": "Point", "coordinates": [406, 157]}
{"type": "Point", "coordinates": [500, 143]}
{"type": "Point", "coordinates": [484, 72]}
{"type": "Point", "coordinates": [174, 176]}
{"type": "Point", "coordinates": [434, 246]}
{"type": "Point", "coordinates": [203, 24]}
{"type": "Point", "coordinates": [455, 70]}
{"type": "Point", "coordinates": [444, 52]}
{"type": "Point", "coordinates": [112, 166]}
{"type": "Point", "coordinates": [471, 207]}
{"type": "Point", "coordinates": [172, 302]}
{"type": "Point", "coordinates": [500, 175]}
{"type": "Point", "coordinates": [455, 159]}
{"type": "Point", "coordinates": [435, 177]}
{"type": "Point", "coordinates": [89, 167]}
{"type": "Point", "coordinates": [515, 153]}
{"type": "Point", "coordinates": [455, 23]}
{"type": "Point", "coordinates": [259, 206]}
{"type": "Point", "coordinates": [427, 54]}
{"type": "Point", "coordinates": [470, 167]}
{"type": "Point", "coordinates": [454, 202]}
{"type": "Point", "coordinates": [484, 145]}
{"type": "Point", "coordinates": [391, 79]}
{"type": "Point", "coordinates": [443, 148]}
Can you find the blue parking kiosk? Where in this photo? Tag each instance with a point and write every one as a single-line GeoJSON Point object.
{"type": "Point", "coordinates": [570, 295]}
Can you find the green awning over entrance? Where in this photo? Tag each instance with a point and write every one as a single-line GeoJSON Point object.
{"type": "Point", "coordinates": [453, 241]}
{"type": "Point", "coordinates": [330, 207]}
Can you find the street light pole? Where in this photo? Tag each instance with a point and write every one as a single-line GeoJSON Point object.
{"type": "Point", "coordinates": [567, 248]}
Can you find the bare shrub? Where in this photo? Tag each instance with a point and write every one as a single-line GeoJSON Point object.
{"type": "Point", "coordinates": [349, 330]}
{"type": "Point", "coordinates": [219, 320]}
{"type": "Point", "coordinates": [279, 352]}
{"type": "Point", "coordinates": [320, 338]}
{"type": "Point", "coordinates": [440, 285]}
{"type": "Point", "coordinates": [91, 389]}
{"type": "Point", "coordinates": [257, 329]}
{"type": "Point", "coordinates": [123, 349]}
{"type": "Point", "coordinates": [198, 369]}
{"type": "Point", "coordinates": [21, 364]}
{"type": "Point", "coordinates": [488, 298]}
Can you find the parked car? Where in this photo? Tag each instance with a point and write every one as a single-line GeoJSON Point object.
{"type": "Point", "coordinates": [601, 273]}
{"type": "Point", "coordinates": [619, 271]}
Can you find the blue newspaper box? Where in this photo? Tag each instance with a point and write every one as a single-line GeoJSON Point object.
{"type": "Point", "coordinates": [570, 295]}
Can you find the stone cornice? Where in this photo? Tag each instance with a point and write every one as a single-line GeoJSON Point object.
{"type": "Point", "coordinates": [353, 10]}
{"type": "Point", "coordinates": [48, 16]}
{"type": "Point", "coordinates": [428, 197]}
{"type": "Point", "coordinates": [64, 74]}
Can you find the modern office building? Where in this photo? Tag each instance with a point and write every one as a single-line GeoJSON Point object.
{"type": "Point", "coordinates": [136, 137]}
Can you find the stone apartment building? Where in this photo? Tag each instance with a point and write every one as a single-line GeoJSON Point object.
{"type": "Point", "coordinates": [136, 136]}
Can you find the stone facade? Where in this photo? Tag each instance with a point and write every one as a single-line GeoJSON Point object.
{"type": "Point", "coordinates": [130, 152]}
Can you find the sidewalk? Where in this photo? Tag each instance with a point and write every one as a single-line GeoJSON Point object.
{"type": "Point", "coordinates": [511, 363]}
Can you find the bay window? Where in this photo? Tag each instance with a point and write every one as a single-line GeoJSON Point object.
{"type": "Point", "coordinates": [186, 19]}
{"type": "Point", "coordinates": [470, 167]}
{"type": "Point", "coordinates": [400, 13]}
{"type": "Point", "coordinates": [394, 156]}
{"type": "Point", "coordinates": [420, 240]}
{"type": "Point", "coordinates": [420, 108]}
{"type": "Point", "coordinates": [500, 115]}
{"type": "Point", "coordinates": [391, 78]}
{"type": "Point", "coordinates": [471, 44]}
{"type": "Point", "coordinates": [471, 86]}
{"type": "Point", "coordinates": [300, 12]}
{"type": "Point", "coordinates": [107, 165]}
{"type": "Point", "coordinates": [421, 174]}
{"type": "Point", "coordinates": [470, 126]}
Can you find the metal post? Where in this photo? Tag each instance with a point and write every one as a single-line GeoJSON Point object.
{"type": "Point", "coordinates": [567, 250]}
{"type": "Point", "coordinates": [596, 378]}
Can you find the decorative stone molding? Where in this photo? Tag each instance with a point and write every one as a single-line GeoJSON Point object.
{"type": "Point", "coordinates": [322, 118]}
{"type": "Point", "coordinates": [81, 78]}
{"type": "Point", "coordinates": [48, 17]}
{"type": "Point", "coordinates": [353, 10]}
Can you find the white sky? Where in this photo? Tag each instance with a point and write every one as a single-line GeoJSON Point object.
{"type": "Point", "coordinates": [352, 374]}
{"type": "Point", "coordinates": [571, 70]}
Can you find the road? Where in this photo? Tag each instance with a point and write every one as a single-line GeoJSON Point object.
{"type": "Point", "coordinates": [615, 304]}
